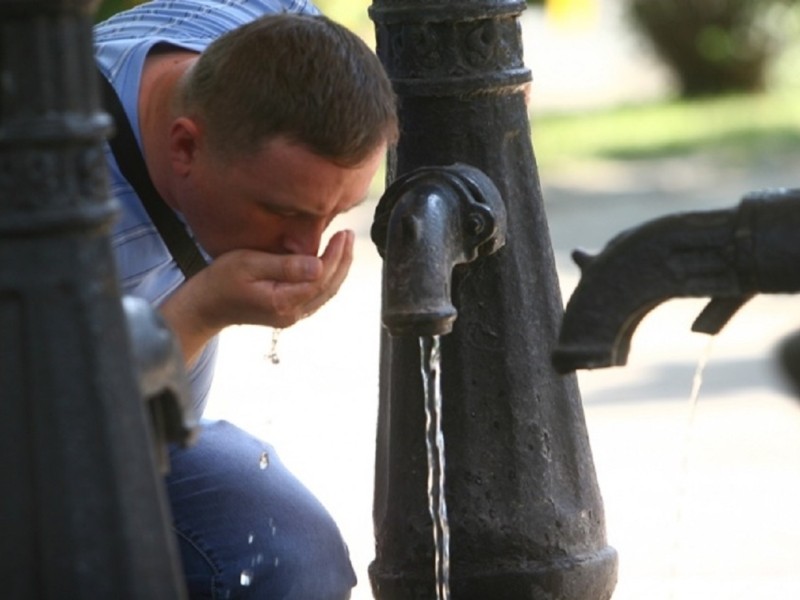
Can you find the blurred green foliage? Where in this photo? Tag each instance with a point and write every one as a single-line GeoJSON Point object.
{"type": "Point", "coordinates": [739, 129]}
{"type": "Point", "coordinates": [716, 46]}
{"type": "Point", "coordinates": [353, 14]}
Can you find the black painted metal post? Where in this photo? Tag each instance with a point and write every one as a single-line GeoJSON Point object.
{"type": "Point", "coordinates": [525, 510]}
{"type": "Point", "coordinates": [82, 513]}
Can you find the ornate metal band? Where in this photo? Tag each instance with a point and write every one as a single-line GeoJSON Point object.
{"type": "Point", "coordinates": [450, 50]}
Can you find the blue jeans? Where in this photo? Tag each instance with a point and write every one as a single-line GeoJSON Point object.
{"type": "Point", "coordinates": [247, 528]}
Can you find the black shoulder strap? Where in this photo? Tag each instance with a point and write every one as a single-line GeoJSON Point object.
{"type": "Point", "coordinates": [131, 163]}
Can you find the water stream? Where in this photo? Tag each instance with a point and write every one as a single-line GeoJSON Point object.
{"type": "Point", "coordinates": [434, 441]}
{"type": "Point", "coordinates": [683, 472]}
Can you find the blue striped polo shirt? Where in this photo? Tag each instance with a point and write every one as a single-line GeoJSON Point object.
{"type": "Point", "coordinates": [121, 44]}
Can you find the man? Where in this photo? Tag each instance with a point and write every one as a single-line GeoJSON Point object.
{"type": "Point", "coordinates": [256, 131]}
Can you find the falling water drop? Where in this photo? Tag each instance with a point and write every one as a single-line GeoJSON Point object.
{"type": "Point", "coordinates": [272, 355]}
{"type": "Point", "coordinates": [434, 441]}
{"type": "Point", "coordinates": [263, 461]}
{"type": "Point", "coordinates": [250, 538]}
{"type": "Point", "coordinates": [245, 577]}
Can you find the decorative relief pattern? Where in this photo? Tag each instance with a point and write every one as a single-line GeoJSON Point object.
{"type": "Point", "coordinates": [419, 45]}
{"type": "Point", "coordinates": [58, 177]}
{"type": "Point", "coordinates": [472, 54]}
{"type": "Point", "coordinates": [479, 44]}
{"type": "Point", "coordinates": [92, 174]}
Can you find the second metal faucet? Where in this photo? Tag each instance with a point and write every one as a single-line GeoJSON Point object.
{"type": "Point", "coordinates": [727, 255]}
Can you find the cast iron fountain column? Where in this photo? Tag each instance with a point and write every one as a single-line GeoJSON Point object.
{"type": "Point", "coordinates": [82, 514]}
{"type": "Point", "coordinates": [526, 515]}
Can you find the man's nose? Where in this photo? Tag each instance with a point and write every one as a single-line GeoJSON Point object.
{"type": "Point", "coordinates": [303, 236]}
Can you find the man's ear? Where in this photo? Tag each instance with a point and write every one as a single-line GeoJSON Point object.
{"type": "Point", "coordinates": [184, 141]}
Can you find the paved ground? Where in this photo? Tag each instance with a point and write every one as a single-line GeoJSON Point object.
{"type": "Point", "coordinates": [701, 504]}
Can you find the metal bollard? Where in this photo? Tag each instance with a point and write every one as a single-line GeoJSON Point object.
{"type": "Point", "coordinates": [83, 513]}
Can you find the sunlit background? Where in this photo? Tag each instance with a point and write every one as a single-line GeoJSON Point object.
{"type": "Point", "coordinates": [639, 108]}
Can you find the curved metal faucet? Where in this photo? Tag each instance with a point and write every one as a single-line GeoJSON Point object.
{"type": "Point", "coordinates": [428, 221]}
{"type": "Point", "coordinates": [728, 255]}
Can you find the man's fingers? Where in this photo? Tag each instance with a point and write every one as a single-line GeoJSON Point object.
{"type": "Point", "coordinates": [341, 241]}
{"type": "Point", "coordinates": [257, 287]}
{"type": "Point", "coordinates": [338, 257]}
{"type": "Point", "coordinates": [305, 298]}
{"type": "Point", "coordinates": [260, 266]}
{"type": "Point", "coordinates": [298, 268]}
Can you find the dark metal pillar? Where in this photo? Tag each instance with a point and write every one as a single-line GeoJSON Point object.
{"type": "Point", "coordinates": [82, 513]}
{"type": "Point", "coordinates": [525, 510]}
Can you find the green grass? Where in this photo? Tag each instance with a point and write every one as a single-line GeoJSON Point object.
{"type": "Point", "coordinates": [737, 128]}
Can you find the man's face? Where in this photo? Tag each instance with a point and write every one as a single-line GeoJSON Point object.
{"type": "Point", "coordinates": [279, 200]}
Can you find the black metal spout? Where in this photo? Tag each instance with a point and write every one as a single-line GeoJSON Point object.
{"type": "Point", "coordinates": [426, 223]}
{"type": "Point", "coordinates": [727, 255]}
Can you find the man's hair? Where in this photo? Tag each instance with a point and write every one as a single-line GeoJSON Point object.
{"type": "Point", "coordinates": [301, 77]}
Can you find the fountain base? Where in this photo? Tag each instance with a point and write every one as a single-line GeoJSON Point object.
{"type": "Point", "coordinates": [592, 575]}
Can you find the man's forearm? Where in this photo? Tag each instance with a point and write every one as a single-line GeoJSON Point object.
{"type": "Point", "coordinates": [187, 324]}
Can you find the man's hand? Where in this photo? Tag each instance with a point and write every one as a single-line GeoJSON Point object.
{"type": "Point", "coordinates": [251, 287]}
